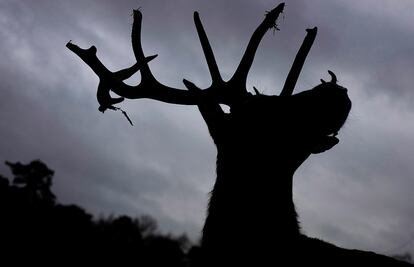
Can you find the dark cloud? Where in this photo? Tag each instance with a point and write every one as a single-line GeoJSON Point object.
{"type": "Point", "coordinates": [357, 195]}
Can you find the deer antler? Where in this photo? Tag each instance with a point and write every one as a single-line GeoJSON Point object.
{"type": "Point", "coordinates": [232, 91]}
{"type": "Point", "coordinates": [297, 65]}
{"type": "Point", "coordinates": [220, 92]}
{"type": "Point", "coordinates": [208, 52]}
{"type": "Point", "coordinates": [149, 86]}
{"type": "Point", "coordinates": [240, 76]}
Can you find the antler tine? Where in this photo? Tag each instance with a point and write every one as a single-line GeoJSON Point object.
{"type": "Point", "coordinates": [149, 86]}
{"type": "Point", "coordinates": [128, 72]}
{"type": "Point", "coordinates": [297, 65]}
{"type": "Point", "coordinates": [240, 76]}
{"type": "Point", "coordinates": [146, 74]}
{"type": "Point", "coordinates": [208, 51]}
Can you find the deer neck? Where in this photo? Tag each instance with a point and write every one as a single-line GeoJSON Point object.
{"type": "Point", "coordinates": [251, 200]}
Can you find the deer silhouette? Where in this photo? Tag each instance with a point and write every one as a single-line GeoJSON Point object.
{"type": "Point", "coordinates": [260, 144]}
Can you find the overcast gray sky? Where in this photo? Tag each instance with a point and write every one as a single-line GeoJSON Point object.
{"type": "Point", "coordinates": [357, 195]}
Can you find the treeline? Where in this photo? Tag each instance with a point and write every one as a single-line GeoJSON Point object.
{"type": "Point", "coordinates": [35, 227]}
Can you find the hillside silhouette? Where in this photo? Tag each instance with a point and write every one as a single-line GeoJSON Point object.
{"type": "Point", "coordinates": [36, 228]}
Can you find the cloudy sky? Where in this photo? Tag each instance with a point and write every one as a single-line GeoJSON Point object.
{"type": "Point", "coordinates": [357, 195]}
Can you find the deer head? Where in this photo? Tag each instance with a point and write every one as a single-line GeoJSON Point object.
{"type": "Point", "coordinates": [260, 143]}
{"type": "Point", "coordinates": [309, 117]}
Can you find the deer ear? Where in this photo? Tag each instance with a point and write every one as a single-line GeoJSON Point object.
{"type": "Point", "coordinates": [323, 144]}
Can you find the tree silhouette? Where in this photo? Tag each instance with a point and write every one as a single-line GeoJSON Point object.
{"type": "Point", "coordinates": [260, 144]}
{"type": "Point", "coordinates": [35, 178]}
{"type": "Point", "coordinates": [35, 229]}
